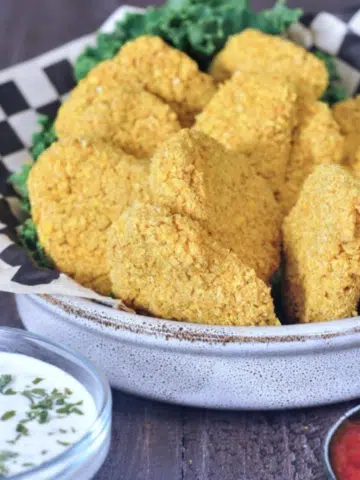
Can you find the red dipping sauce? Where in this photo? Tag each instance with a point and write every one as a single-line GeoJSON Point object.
{"type": "Point", "coordinates": [345, 450]}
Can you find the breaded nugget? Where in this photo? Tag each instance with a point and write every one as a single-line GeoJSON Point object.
{"type": "Point", "coordinates": [194, 175]}
{"type": "Point", "coordinates": [76, 191]}
{"type": "Point", "coordinates": [127, 115]}
{"type": "Point", "coordinates": [317, 140]}
{"type": "Point", "coordinates": [255, 51]}
{"type": "Point", "coordinates": [171, 266]}
{"type": "Point", "coordinates": [354, 165]}
{"type": "Point", "coordinates": [347, 115]}
{"type": "Point", "coordinates": [254, 114]}
{"type": "Point", "coordinates": [102, 79]}
{"type": "Point", "coordinates": [322, 247]}
{"type": "Point", "coordinates": [168, 73]}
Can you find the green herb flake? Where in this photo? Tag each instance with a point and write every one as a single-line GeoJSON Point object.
{"type": "Point", "coordinates": [10, 391]}
{"type": "Point", "coordinates": [7, 455]}
{"type": "Point", "coordinates": [22, 429]}
{"type": "Point", "coordinates": [37, 380]}
{"type": "Point", "coordinates": [77, 411]}
{"type": "Point", "coordinates": [13, 442]}
{"type": "Point", "coordinates": [4, 382]}
{"type": "Point", "coordinates": [28, 464]}
{"type": "Point", "coordinates": [7, 415]}
{"type": "Point", "coordinates": [39, 392]}
{"type": "Point", "coordinates": [64, 444]}
{"type": "Point", "coordinates": [44, 417]}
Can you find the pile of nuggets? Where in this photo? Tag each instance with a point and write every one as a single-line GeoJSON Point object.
{"type": "Point", "coordinates": [179, 191]}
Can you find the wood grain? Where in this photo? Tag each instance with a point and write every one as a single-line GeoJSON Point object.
{"type": "Point", "coordinates": [154, 441]}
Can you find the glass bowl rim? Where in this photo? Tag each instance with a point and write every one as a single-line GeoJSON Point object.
{"type": "Point", "coordinates": [104, 412]}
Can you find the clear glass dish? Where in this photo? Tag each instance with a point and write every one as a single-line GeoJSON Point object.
{"type": "Point", "coordinates": [83, 459]}
{"type": "Point", "coordinates": [354, 412]}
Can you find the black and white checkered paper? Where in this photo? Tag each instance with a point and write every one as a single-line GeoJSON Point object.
{"type": "Point", "coordinates": [40, 85]}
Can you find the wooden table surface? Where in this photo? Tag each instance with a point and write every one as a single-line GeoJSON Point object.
{"type": "Point", "coordinates": [154, 441]}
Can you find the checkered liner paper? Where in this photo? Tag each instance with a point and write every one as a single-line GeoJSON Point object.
{"type": "Point", "coordinates": [40, 85]}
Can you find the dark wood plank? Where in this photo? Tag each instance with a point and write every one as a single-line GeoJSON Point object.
{"type": "Point", "coordinates": [257, 445]}
{"type": "Point", "coordinates": [147, 441]}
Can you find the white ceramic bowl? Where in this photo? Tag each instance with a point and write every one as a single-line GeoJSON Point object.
{"type": "Point", "coordinates": [198, 365]}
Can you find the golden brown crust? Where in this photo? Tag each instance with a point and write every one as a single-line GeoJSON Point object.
{"type": "Point", "coordinates": [111, 107]}
{"type": "Point", "coordinates": [169, 265]}
{"type": "Point", "coordinates": [169, 74]}
{"type": "Point", "coordinates": [77, 190]}
{"type": "Point", "coordinates": [317, 140]}
{"type": "Point", "coordinates": [255, 115]}
{"type": "Point", "coordinates": [254, 51]}
{"type": "Point", "coordinates": [322, 247]}
{"type": "Point", "coordinates": [194, 175]}
{"type": "Point", "coordinates": [347, 115]}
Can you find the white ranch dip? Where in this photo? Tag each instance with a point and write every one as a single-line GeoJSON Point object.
{"type": "Point", "coordinates": [43, 411]}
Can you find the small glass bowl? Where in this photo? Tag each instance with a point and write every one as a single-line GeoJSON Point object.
{"type": "Point", "coordinates": [83, 459]}
{"type": "Point", "coordinates": [354, 412]}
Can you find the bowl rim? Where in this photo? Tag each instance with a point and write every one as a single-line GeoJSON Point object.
{"type": "Point", "coordinates": [329, 437]}
{"type": "Point", "coordinates": [103, 419]}
{"type": "Point", "coordinates": [110, 321]}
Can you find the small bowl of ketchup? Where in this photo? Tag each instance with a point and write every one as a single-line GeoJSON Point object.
{"type": "Point", "coordinates": [342, 447]}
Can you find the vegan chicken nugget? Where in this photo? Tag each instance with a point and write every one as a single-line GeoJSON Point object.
{"type": "Point", "coordinates": [169, 265]}
{"type": "Point", "coordinates": [317, 140]}
{"type": "Point", "coordinates": [254, 114]}
{"type": "Point", "coordinates": [169, 74]}
{"type": "Point", "coordinates": [322, 247]}
{"type": "Point", "coordinates": [77, 190]}
{"type": "Point", "coordinates": [354, 166]}
{"type": "Point", "coordinates": [255, 51]}
{"type": "Point", "coordinates": [347, 115]}
{"type": "Point", "coordinates": [102, 79]}
{"type": "Point", "coordinates": [127, 115]}
{"type": "Point", "coordinates": [194, 175]}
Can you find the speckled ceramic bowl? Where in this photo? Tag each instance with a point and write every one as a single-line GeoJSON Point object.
{"type": "Point", "coordinates": [198, 365]}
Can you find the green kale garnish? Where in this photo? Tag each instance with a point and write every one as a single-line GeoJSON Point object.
{"type": "Point", "coordinates": [27, 233]}
{"type": "Point", "coordinates": [277, 19]}
{"type": "Point", "coordinates": [335, 91]}
{"type": "Point", "coordinates": [43, 139]}
{"type": "Point", "coordinates": [40, 141]}
{"type": "Point", "coordinates": [197, 27]}
{"type": "Point", "coordinates": [19, 179]}
{"type": "Point", "coordinates": [29, 239]}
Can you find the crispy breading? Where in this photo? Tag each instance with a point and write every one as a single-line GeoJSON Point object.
{"type": "Point", "coordinates": [347, 115]}
{"type": "Point", "coordinates": [322, 247]}
{"type": "Point", "coordinates": [77, 190]}
{"type": "Point", "coordinates": [127, 115]}
{"type": "Point", "coordinates": [354, 165]}
{"type": "Point", "coordinates": [255, 51]}
{"type": "Point", "coordinates": [168, 73]}
{"type": "Point", "coordinates": [170, 266]}
{"type": "Point", "coordinates": [255, 115]}
{"type": "Point", "coordinates": [317, 140]}
{"type": "Point", "coordinates": [194, 175]}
